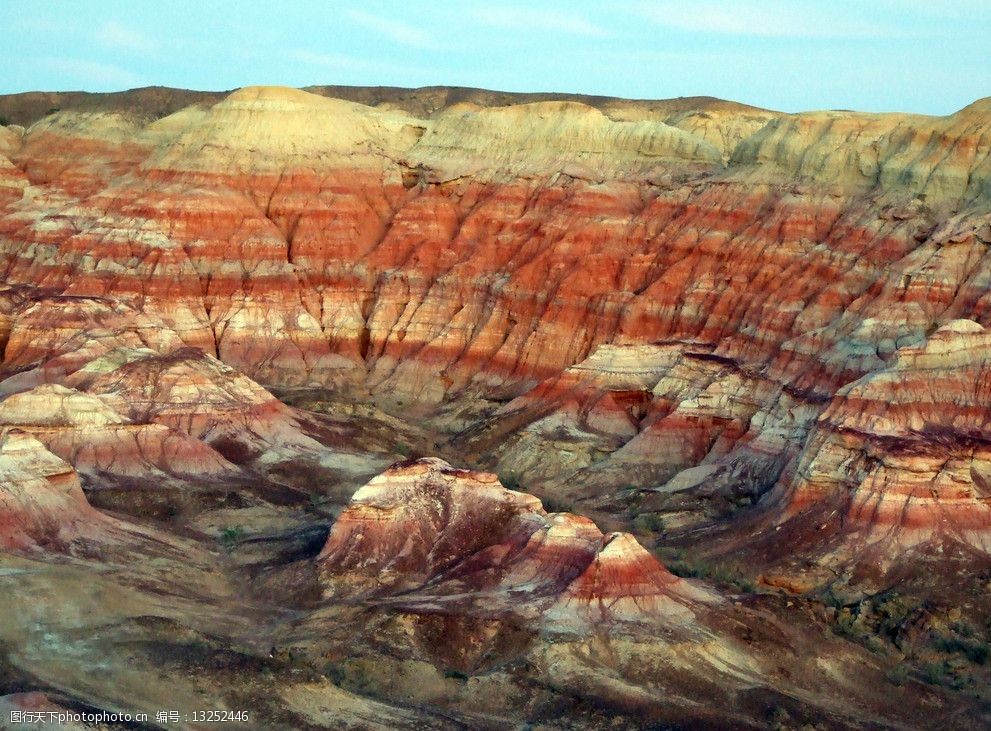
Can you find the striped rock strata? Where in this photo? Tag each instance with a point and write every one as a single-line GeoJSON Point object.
{"type": "Point", "coordinates": [902, 454]}
{"type": "Point", "coordinates": [428, 534]}
{"type": "Point", "coordinates": [41, 500]}
{"type": "Point", "coordinates": [420, 260]}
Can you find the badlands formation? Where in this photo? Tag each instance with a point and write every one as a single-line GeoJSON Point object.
{"type": "Point", "coordinates": [443, 408]}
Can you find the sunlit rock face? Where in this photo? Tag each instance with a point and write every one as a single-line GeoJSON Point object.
{"type": "Point", "coordinates": [433, 535]}
{"type": "Point", "coordinates": [690, 329]}
{"type": "Point", "coordinates": [41, 500]}
{"type": "Point", "coordinates": [12, 180]}
{"type": "Point", "coordinates": [902, 453]}
{"type": "Point", "coordinates": [307, 239]}
{"type": "Point", "coordinates": [118, 396]}
{"type": "Point", "coordinates": [742, 267]}
{"type": "Point", "coordinates": [86, 431]}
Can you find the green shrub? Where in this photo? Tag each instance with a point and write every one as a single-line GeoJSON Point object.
{"type": "Point", "coordinates": [894, 611]}
{"type": "Point", "coordinates": [556, 505]}
{"type": "Point", "coordinates": [935, 673]}
{"type": "Point", "coordinates": [649, 523]}
{"type": "Point", "coordinates": [875, 644]}
{"type": "Point", "coordinates": [963, 629]}
{"type": "Point", "coordinates": [846, 625]}
{"type": "Point", "coordinates": [898, 675]}
{"type": "Point", "coordinates": [974, 650]}
{"type": "Point", "coordinates": [335, 673]}
{"type": "Point", "coordinates": [4, 122]}
{"type": "Point", "coordinates": [745, 585]}
{"type": "Point", "coordinates": [978, 652]}
{"type": "Point", "coordinates": [231, 536]}
{"type": "Point", "coordinates": [510, 480]}
{"type": "Point", "coordinates": [717, 573]}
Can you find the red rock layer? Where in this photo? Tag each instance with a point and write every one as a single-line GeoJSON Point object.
{"type": "Point", "coordinates": [12, 180]}
{"type": "Point", "coordinates": [88, 434]}
{"type": "Point", "coordinates": [278, 260]}
{"type": "Point", "coordinates": [110, 392]}
{"type": "Point", "coordinates": [194, 393]}
{"type": "Point", "coordinates": [625, 583]}
{"type": "Point", "coordinates": [904, 452]}
{"type": "Point", "coordinates": [427, 534]}
{"type": "Point", "coordinates": [41, 500]}
{"type": "Point", "coordinates": [308, 241]}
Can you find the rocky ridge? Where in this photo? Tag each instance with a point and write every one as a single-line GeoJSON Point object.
{"type": "Point", "coordinates": [753, 336]}
{"type": "Point", "coordinates": [436, 535]}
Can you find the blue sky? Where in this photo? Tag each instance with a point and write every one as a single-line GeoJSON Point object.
{"type": "Point", "coordinates": [926, 56]}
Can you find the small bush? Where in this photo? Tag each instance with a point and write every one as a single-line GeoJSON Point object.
{"type": "Point", "coordinates": [717, 573]}
{"type": "Point", "coordinates": [938, 673]}
{"type": "Point", "coordinates": [847, 626]}
{"type": "Point", "coordinates": [231, 536]}
{"type": "Point", "coordinates": [4, 122]}
{"type": "Point", "coordinates": [978, 652]}
{"type": "Point", "coordinates": [746, 585]}
{"type": "Point", "coordinates": [898, 675]}
{"type": "Point", "coordinates": [53, 110]}
{"type": "Point", "coordinates": [830, 599]}
{"type": "Point", "coordinates": [649, 523]}
{"type": "Point", "coordinates": [973, 649]}
{"type": "Point", "coordinates": [557, 505]}
{"type": "Point", "coordinates": [932, 673]}
{"type": "Point", "coordinates": [510, 480]}
{"type": "Point", "coordinates": [895, 611]}
{"type": "Point", "coordinates": [335, 673]}
{"type": "Point", "coordinates": [875, 644]}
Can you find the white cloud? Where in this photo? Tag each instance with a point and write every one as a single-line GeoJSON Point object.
{"type": "Point", "coordinates": [396, 30]}
{"type": "Point", "coordinates": [118, 37]}
{"type": "Point", "coordinates": [523, 19]}
{"type": "Point", "coordinates": [93, 74]}
{"type": "Point", "coordinates": [766, 18]}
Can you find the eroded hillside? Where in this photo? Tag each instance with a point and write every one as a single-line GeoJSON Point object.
{"type": "Point", "coordinates": [746, 345]}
